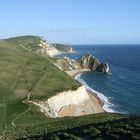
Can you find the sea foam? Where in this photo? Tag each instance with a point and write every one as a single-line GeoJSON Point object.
{"type": "Point", "coordinates": [107, 105]}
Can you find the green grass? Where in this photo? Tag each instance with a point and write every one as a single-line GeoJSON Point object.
{"type": "Point", "coordinates": [3, 111]}
{"type": "Point", "coordinates": [38, 124]}
{"type": "Point", "coordinates": [23, 72]}
{"type": "Point", "coordinates": [30, 42]}
{"type": "Point", "coordinates": [117, 128]}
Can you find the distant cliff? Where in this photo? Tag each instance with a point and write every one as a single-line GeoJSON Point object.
{"type": "Point", "coordinates": [40, 45]}
{"type": "Point", "coordinates": [53, 49]}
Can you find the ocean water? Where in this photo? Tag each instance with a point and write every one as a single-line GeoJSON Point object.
{"type": "Point", "coordinates": [120, 89]}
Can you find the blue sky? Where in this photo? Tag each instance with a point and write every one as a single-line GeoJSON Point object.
{"type": "Point", "coordinates": [73, 21]}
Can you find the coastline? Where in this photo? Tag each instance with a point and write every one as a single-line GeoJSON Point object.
{"type": "Point", "coordinates": [70, 103]}
{"type": "Point", "coordinates": [97, 102]}
{"type": "Point", "coordinates": [89, 106]}
{"type": "Point", "coordinates": [86, 102]}
{"type": "Point", "coordinates": [73, 73]}
{"type": "Point", "coordinates": [104, 101]}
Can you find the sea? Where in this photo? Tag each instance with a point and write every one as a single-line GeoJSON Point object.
{"type": "Point", "coordinates": [120, 89]}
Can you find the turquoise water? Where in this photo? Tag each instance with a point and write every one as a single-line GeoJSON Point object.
{"type": "Point", "coordinates": [120, 90]}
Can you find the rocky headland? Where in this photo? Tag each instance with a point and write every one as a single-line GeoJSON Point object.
{"type": "Point", "coordinates": [71, 103]}
{"type": "Point", "coordinates": [84, 63]}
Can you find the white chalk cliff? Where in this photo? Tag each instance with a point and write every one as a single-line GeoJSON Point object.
{"type": "Point", "coordinates": [53, 105]}
{"type": "Point", "coordinates": [50, 50]}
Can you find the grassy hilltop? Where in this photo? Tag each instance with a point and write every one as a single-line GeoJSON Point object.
{"type": "Point", "coordinates": [26, 75]}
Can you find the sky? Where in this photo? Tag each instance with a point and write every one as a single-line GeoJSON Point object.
{"type": "Point", "coordinates": [72, 21]}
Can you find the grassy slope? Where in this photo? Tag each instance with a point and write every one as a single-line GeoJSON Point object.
{"type": "Point", "coordinates": [23, 72]}
{"type": "Point", "coordinates": [30, 42]}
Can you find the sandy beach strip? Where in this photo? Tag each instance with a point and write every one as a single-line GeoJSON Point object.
{"type": "Point", "coordinates": [93, 105]}
{"type": "Point", "coordinates": [73, 73]}
{"type": "Point", "coordinates": [98, 104]}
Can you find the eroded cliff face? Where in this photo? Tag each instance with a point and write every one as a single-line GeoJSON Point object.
{"type": "Point", "coordinates": [51, 50]}
{"type": "Point", "coordinates": [68, 64]}
{"type": "Point", "coordinates": [53, 105]}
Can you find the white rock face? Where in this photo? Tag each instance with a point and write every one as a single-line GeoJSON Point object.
{"type": "Point", "coordinates": [53, 105]}
{"type": "Point", "coordinates": [50, 50]}
{"type": "Point", "coordinates": [47, 49]}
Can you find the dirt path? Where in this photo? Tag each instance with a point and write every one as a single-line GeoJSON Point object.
{"type": "Point", "coordinates": [35, 85]}
{"type": "Point", "coordinates": [28, 95]}
{"type": "Point", "coordinates": [13, 122]}
{"type": "Point", "coordinates": [24, 47]}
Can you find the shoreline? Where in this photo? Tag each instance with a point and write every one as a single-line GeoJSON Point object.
{"type": "Point", "coordinates": [104, 102]}
{"type": "Point", "coordinates": [100, 102]}
{"type": "Point", "coordinates": [70, 103]}
{"type": "Point", "coordinates": [73, 73]}
{"type": "Point", "coordinates": [96, 102]}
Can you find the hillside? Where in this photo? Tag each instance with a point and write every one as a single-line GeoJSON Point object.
{"type": "Point", "coordinates": [40, 45]}
{"type": "Point", "coordinates": [28, 74]}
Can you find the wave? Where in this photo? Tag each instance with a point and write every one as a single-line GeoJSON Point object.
{"type": "Point", "coordinates": [107, 105]}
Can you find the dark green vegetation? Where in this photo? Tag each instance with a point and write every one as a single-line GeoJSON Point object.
{"type": "Point", "coordinates": [26, 75]}
{"type": "Point", "coordinates": [62, 47]}
{"type": "Point", "coordinates": [34, 125]}
{"type": "Point", "coordinates": [124, 129]}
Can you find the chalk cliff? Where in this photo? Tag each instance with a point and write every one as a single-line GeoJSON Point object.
{"type": "Point", "coordinates": [53, 105]}
{"type": "Point", "coordinates": [52, 49]}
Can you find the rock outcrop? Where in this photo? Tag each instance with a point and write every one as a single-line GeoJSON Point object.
{"type": "Point", "coordinates": [85, 62]}
{"type": "Point", "coordinates": [89, 61]}
{"type": "Point", "coordinates": [68, 64]}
